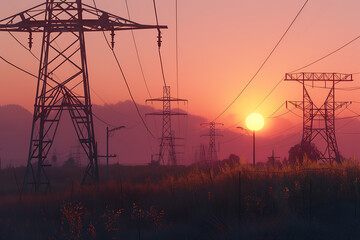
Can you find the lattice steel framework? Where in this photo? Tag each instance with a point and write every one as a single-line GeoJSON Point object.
{"type": "Point", "coordinates": [167, 140]}
{"type": "Point", "coordinates": [63, 82]}
{"type": "Point", "coordinates": [212, 150]}
{"type": "Point", "coordinates": [323, 115]}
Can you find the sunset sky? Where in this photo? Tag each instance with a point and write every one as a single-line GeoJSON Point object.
{"type": "Point", "coordinates": [221, 46]}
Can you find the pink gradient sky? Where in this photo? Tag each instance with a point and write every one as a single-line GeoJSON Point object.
{"type": "Point", "coordinates": [221, 45]}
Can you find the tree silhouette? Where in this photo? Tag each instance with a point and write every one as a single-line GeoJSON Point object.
{"type": "Point", "coordinates": [297, 153]}
{"type": "Point", "coordinates": [70, 162]}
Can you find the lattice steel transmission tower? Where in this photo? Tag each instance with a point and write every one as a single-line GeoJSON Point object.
{"type": "Point", "coordinates": [212, 150]}
{"type": "Point", "coordinates": [167, 140]}
{"type": "Point", "coordinates": [319, 122]}
{"type": "Point", "coordinates": [63, 82]}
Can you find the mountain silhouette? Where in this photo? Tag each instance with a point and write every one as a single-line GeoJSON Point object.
{"type": "Point", "coordinates": [133, 145]}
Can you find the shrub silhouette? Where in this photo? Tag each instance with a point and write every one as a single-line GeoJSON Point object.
{"type": "Point", "coordinates": [298, 152]}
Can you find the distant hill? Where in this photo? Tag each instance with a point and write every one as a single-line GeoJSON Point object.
{"type": "Point", "coordinates": [15, 126]}
{"type": "Point", "coordinates": [134, 146]}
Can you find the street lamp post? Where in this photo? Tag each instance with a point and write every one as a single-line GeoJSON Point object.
{"type": "Point", "coordinates": [253, 148]}
{"type": "Point", "coordinates": [108, 131]}
{"type": "Point", "coordinates": [254, 122]}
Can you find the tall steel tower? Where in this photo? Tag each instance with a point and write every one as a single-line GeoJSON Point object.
{"type": "Point", "coordinates": [212, 150]}
{"type": "Point", "coordinates": [319, 122]}
{"type": "Point", "coordinates": [63, 81]}
{"type": "Point", "coordinates": [167, 140]}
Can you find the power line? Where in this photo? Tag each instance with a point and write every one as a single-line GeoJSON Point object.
{"type": "Point", "coordinates": [162, 67]}
{"type": "Point", "coordinates": [280, 115]}
{"type": "Point", "coordinates": [263, 64]}
{"type": "Point", "coordinates": [33, 75]}
{"type": "Point", "coordinates": [342, 89]}
{"type": "Point", "coordinates": [348, 117]}
{"type": "Point", "coordinates": [125, 80]}
{"type": "Point", "coordinates": [286, 130]}
{"type": "Point", "coordinates": [290, 136]}
{"type": "Point", "coordinates": [312, 63]}
{"type": "Point", "coordinates": [177, 57]}
{"type": "Point", "coordinates": [346, 123]}
{"type": "Point", "coordinates": [17, 67]}
{"type": "Point", "coordinates": [271, 91]}
{"type": "Point", "coordinates": [28, 49]}
{"type": "Point", "coordinates": [137, 52]}
{"type": "Point", "coordinates": [159, 44]}
{"type": "Point", "coordinates": [307, 65]}
{"type": "Point", "coordinates": [276, 110]}
{"type": "Point", "coordinates": [349, 121]}
{"type": "Point", "coordinates": [103, 121]}
{"type": "Point", "coordinates": [357, 115]}
{"type": "Point", "coordinates": [232, 139]}
{"type": "Point", "coordinates": [327, 55]}
{"type": "Point", "coordinates": [291, 110]}
{"type": "Point", "coordinates": [177, 48]}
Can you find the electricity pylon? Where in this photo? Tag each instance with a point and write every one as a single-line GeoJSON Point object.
{"type": "Point", "coordinates": [212, 151]}
{"type": "Point", "coordinates": [63, 82]}
{"type": "Point", "coordinates": [324, 115]}
{"type": "Point", "coordinates": [167, 140]}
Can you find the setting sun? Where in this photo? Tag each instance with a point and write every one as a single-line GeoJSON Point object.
{"type": "Point", "coordinates": [255, 122]}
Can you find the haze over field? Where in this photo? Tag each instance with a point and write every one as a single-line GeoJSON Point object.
{"type": "Point", "coordinates": [133, 148]}
{"type": "Point", "coordinates": [216, 60]}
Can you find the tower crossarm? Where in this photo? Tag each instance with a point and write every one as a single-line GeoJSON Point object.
{"type": "Point", "coordinates": [296, 104]}
{"type": "Point", "coordinates": [93, 19]}
{"type": "Point", "coordinates": [208, 135]}
{"type": "Point", "coordinates": [162, 99]}
{"type": "Point", "coordinates": [339, 105]}
{"type": "Point", "coordinates": [162, 114]}
{"type": "Point", "coordinates": [319, 77]}
{"type": "Point", "coordinates": [211, 123]}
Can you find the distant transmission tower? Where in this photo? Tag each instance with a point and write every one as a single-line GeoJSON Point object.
{"type": "Point", "coordinates": [76, 155]}
{"type": "Point", "coordinates": [167, 141]}
{"type": "Point", "coordinates": [212, 150]}
{"type": "Point", "coordinates": [63, 82]}
{"type": "Point", "coordinates": [319, 122]}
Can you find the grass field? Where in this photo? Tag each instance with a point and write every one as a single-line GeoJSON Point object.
{"type": "Point", "coordinates": [231, 201]}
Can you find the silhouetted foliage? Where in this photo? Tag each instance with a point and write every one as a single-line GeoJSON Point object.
{"type": "Point", "coordinates": [188, 203]}
{"type": "Point", "coordinates": [232, 160]}
{"type": "Point", "coordinates": [70, 162]}
{"type": "Point", "coordinates": [272, 162]}
{"type": "Point", "coordinates": [297, 153]}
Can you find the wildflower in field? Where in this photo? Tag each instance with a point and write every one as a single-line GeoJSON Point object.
{"type": "Point", "coordinates": [91, 231]}
{"type": "Point", "coordinates": [112, 219]}
{"type": "Point", "coordinates": [71, 219]}
{"type": "Point", "coordinates": [285, 193]}
{"type": "Point", "coordinates": [155, 217]}
{"type": "Point", "coordinates": [254, 204]}
{"type": "Point", "coordinates": [297, 185]}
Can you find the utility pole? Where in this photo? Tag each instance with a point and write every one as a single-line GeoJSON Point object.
{"type": "Point", "coordinates": [167, 140]}
{"type": "Point", "coordinates": [108, 132]}
{"type": "Point", "coordinates": [272, 159]}
{"type": "Point", "coordinates": [323, 116]}
{"type": "Point", "coordinates": [63, 81]}
{"type": "Point", "coordinates": [212, 151]}
{"type": "Point", "coordinates": [248, 131]}
{"type": "Point", "coordinates": [254, 164]}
